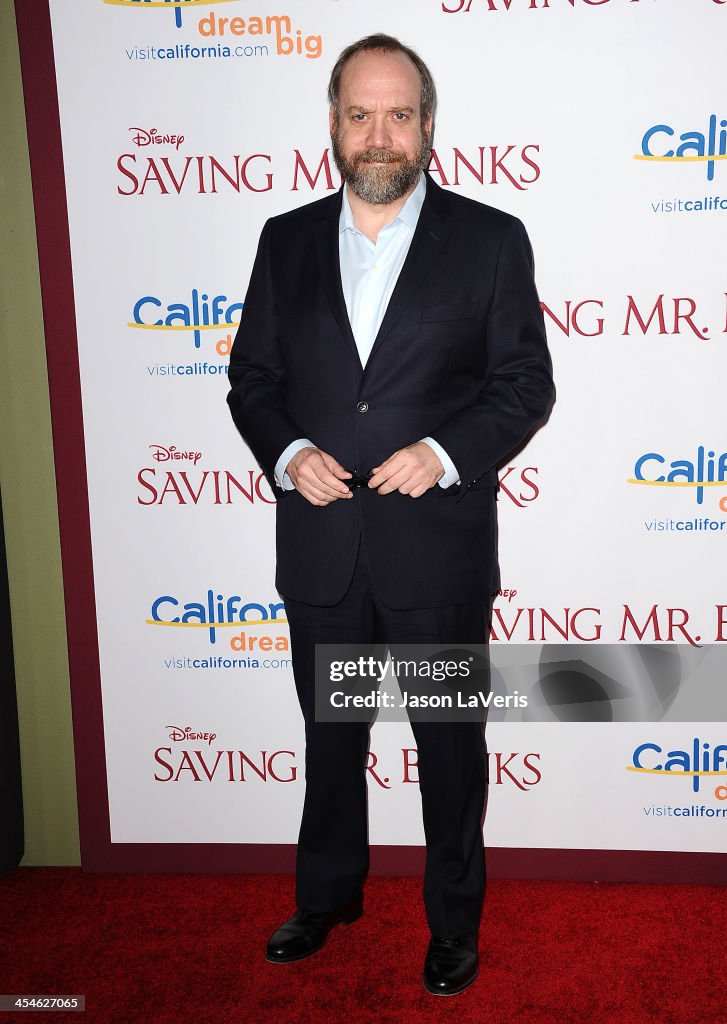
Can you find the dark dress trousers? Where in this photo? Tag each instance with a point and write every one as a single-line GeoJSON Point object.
{"type": "Point", "coordinates": [461, 356]}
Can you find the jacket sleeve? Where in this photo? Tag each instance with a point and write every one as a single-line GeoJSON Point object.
{"type": "Point", "coordinates": [257, 371]}
{"type": "Point", "coordinates": [517, 389]}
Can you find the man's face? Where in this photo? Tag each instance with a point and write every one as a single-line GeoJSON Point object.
{"type": "Point", "coordinates": [379, 142]}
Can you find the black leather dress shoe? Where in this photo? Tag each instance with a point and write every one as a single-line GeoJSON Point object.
{"type": "Point", "coordinates": [306, 931]}
{"type": "Point", "coordinates": [451, 964]}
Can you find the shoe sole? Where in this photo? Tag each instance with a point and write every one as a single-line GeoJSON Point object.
{"type": "Point", "coordinates": [452, 992]}
{"type": "Point", "coordinates": [348, 918]}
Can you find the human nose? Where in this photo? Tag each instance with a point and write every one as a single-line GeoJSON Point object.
{"type": "Point", "coordinates": [379, 135]}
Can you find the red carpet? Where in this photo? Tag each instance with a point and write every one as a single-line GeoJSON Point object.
{"type": "Point", "coordinates": [189, 948]}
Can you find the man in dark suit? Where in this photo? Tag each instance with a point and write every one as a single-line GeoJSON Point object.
{"type": "Point", "coordinates": [391, 353]}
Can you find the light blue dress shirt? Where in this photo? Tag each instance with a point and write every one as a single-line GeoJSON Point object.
{"type": "Point", "coordinates": [369, 272]}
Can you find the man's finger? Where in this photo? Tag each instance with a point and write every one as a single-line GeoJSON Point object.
{"type": "Point", "coordinates": [319, 488]}
{"type": "Point", "coordinates": [318, 471]}
{"type": "Point", "coordinates": [387, 470]}
{"type": "Point", "coordinates": [314, 490]}
{"type": "Point", "coordinates": [396, 481]}
{"type": "Point", "coordinates": [335, 467]}
{"type": "Point", "coordinates": [319, 476]}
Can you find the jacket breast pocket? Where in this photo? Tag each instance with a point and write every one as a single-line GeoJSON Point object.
{"type": "Point", "coordinates": [449, 312]}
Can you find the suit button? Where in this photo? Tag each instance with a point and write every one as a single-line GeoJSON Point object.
{"type": "Point", "coordinates": [363, 406]}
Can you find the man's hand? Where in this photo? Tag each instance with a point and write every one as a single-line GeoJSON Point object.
{"type": "Point", "coordinates": [318, 476]}
{"type": "Point", "coordinates": [411, 471]}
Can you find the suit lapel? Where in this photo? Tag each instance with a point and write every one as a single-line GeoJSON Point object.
{"type": "Point", "coordinates": [431, 233]}
{"type": "Point", "coordinates": [330, 270]}
{"type": "Point", "coordinates": [432, 230]}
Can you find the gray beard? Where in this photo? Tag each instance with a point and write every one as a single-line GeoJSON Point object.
{"type": "Point", "coordinates": [387, 183]}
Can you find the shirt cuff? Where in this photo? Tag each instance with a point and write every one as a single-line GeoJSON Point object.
{"type": "Point", "coordinates": [451, 476]}
{"type": "Point", "coordinates": [281, 477]}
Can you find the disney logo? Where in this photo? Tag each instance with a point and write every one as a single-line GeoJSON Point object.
{"type": "Point", "coordinates": [154, 137]}
{"type": "Point", "coordinates": [177, 734]}
{"type": "Point", "coordinates": [161, 454]}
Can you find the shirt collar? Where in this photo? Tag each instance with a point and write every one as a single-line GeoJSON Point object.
{"type": "Point", "coordinates": [409, 213]}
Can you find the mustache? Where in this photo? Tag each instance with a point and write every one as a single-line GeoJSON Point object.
{"type": "Point", "coordinates": [378, 156]}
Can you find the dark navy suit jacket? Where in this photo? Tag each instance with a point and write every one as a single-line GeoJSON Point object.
{"type": "Point", "coordinates": [461, 356]}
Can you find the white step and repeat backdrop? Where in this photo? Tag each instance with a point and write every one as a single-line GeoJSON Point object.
{"type": "Point", "coordinates": [603, 125]}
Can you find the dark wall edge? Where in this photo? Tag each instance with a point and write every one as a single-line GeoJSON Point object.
{"type": "Point", "coordinates": [59, 314]}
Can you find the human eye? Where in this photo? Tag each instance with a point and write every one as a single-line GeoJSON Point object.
{"type": "Point", "coordinates": [401, 116]}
